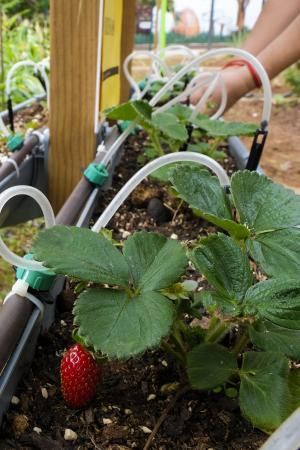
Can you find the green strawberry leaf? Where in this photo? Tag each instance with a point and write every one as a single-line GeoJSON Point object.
{"type": "Point", "coordinates": [277, 252]}
{"type": "Point", "coordinates": [212, 301]}
{"type": "Point", "coordinates": [270, 337]}
{"type": "Point", "coordinates": [225, 129]}
{"type": "Point", "coordinates": [169, 125]}
{"type": "Point", "coordinates": [209, 365]}
{"type": "Point", "coordinates": [120, 326]}
{"type": "Point", "coordinates": [81, 253]}
{"type": "Point", "coordinates": [220, 259]}
{"type": "Point", "coordinates": [203, 192]}
{"type": "Point", "coordinates": [272, 212]}
{"type": "Point", "coordinates": [132, 110]}
{"type": "Point", "coordinates": [275, 300]}
{"type": "Point", "coordinates": [182, 112]}
{"type": "Point", "coordinates": [294, 387]}
{"type": "Point", "coordinates": [262, 204]}
{"type": "Point", "coordinates": [264, 391]}
{"type": "Point", "coordinates": [155, 262]}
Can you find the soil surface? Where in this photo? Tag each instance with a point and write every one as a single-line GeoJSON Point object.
{"type": "Point", "coordinates": [133, 394]}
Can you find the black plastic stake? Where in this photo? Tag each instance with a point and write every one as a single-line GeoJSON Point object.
{"type": "Point", "coordinates": [10, 114]}
{"type": "Point", "coordinates": [257, 147]}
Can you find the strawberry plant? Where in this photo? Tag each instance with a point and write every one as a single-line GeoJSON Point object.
{"type": "Point", "coordinates": [176, 129]}
{"type": "Point", "coordinates": [137, 298]}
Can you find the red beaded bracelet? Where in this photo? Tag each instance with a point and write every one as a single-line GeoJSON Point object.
{"type": "Point", "coordinates": [243, 62]}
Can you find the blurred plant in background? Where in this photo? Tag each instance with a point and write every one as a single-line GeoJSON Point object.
{"type": "Point", "coordinates": [25, 8]}
{"type": "Point", "coordinates": [292, 77]}
{"type": "Point", "coordinates": [24, 34]}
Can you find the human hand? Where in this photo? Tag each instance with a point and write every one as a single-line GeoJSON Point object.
{"type": "Point", "coordinates": [237, 82]}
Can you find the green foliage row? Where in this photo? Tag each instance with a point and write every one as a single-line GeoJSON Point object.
{"type": "Point", "coordinates": [137, 299]}
{"type": "Point", "coordinates": [177, 127]}
{"type": "Point", "coordinates": [292, 77]}
{"type": "Point", "coordinates": [25, 8]}
{"type": "Point", "coordinates": [23, 40]}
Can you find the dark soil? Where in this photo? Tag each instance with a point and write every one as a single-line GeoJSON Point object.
{"type": "Point", "coordinates": [133, 395]}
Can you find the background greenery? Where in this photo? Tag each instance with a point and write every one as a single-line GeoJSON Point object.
{"type": "Point", "coordinates": [24, 35]}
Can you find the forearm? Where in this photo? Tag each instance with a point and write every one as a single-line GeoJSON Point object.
{"type": "Point", "coordinates": [283, 51]}
{"type": "Point", "coordinates": [274, 18]}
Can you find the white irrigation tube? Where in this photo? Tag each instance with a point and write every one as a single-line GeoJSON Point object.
{"type": "Point", "coordinates": [266, 113]}
{"type": "Point", "coordinates": [174, 47]}
{"type": "Point", "coordinates": [267, 106]}
{"type": "Point", "coordinates": [208, 78]}
{"type": "Point", "coordinates": [49, 217]}
{"type": "Point", "coordinates": [27, 63]}
{"type": "Point", "coordinates": [113, 149]}
{"type": "Point", "coordinates": [206, 95]}
{"type": "Point", "coordinates": [41, 67]}
{"type": "Point", "coordinates": [151, 167]}
{"type": "Point", "coordinates": [138, 93]}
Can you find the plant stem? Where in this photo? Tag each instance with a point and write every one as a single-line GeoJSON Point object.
{"type": "Point", "coordinates": [156, 143]}
{"type": "Point", "coordinates": [241, 343]}
{"type": "Point", "coordinates": [217, 330]}
{"type": "Point", "coordinates": [169, 349]}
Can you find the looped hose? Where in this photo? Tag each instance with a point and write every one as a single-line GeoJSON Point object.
{"type": "Point", "coordinates": [267, 106]}
{"type": "Point", "coordinates": [138, 94]}
{"type": "Point", "coordinates": [151, 167]}
{"type": "Point", "coordinates": [47, 211]}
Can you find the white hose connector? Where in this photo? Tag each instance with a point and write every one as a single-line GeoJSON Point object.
{"type": "Point", "coordinates": [21, 288]}
{"type": "Point", "coordinates": [266, 113]}
{"type": "Point", "coordinates": [137, 91]}
{"type": "Point", "coordinates": [151, 167]}
{"type": "Point", "coordinates": [49, 217]}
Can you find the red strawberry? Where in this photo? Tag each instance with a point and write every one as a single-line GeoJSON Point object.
{"type": "Point", "coordinates": [79, 374]}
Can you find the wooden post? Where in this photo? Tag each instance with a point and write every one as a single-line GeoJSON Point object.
{"type": "Point", "coordinates": [127, 42]}
{"type": "Point", "coordinates": [74, 40]}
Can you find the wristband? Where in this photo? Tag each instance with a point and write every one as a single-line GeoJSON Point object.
{"type": "Point", "coordinates": [241, 63]}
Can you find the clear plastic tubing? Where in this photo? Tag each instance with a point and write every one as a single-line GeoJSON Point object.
{"type": "Point", "coordinates": [12, 71]}
{"type": "Point", "coordinates": [151, 167]}
{"type": "Point", "coordinates": [187, 68]}
{"type": "Point", "coordinates": [132, 82]}
{"type": "Point", "coordinates": [225, 51]}
{"type": "Point", "coordinates": [191, 88]}
{"type": "Point", "coordinates": [47, 211]}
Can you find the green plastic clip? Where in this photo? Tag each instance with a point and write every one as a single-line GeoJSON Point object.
{"type": "Point", "coordinates": [96, 174]}
{"type": "Point", "coordinates": [15, 142]}
{"type": "Point", "coordinates": [38, 280]}
{"type": "Point", "coordinates": [142, 84]}
{"type": "Point", "coordinates": [124, 124]}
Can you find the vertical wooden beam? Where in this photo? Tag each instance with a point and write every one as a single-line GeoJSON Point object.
{"type": "Point", "coordinates": [74, 37]}
{"type": "Point", "coordinates": [127, 42]}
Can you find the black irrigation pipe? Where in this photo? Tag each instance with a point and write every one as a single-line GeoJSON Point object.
{"type": "Point", "coordinates": [19, 318]}
{"type": "Point", "coordinates": [19, 155]}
